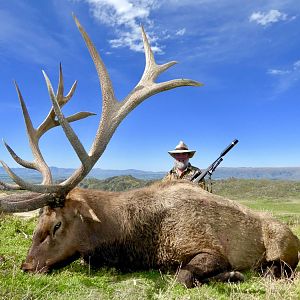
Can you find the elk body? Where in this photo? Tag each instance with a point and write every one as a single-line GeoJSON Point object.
{"type": "Point", "coordinates": [166, 226]}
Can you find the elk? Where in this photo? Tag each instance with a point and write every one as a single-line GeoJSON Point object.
{"type": "Point", "coordinates": [169, 225]}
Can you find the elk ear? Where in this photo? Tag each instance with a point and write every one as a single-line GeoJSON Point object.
{"type": "Point", "coordinates": [82, 209]}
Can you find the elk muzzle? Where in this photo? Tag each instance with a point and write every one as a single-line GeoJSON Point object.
{"type": "Point", "coordinates": [32, 266]}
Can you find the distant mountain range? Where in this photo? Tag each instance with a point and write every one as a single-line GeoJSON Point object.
{"type": "Point", "coordinates": [280, 173]}
{"type": "Point", "coordinates": [61, 173]}
{"type": "Point", "coordinates": [275, 173]}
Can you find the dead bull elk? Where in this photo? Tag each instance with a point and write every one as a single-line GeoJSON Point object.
{"type": "Point", "coordinates": [166, 226]}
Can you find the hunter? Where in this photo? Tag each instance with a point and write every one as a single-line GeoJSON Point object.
{"type": "Point", "coordinates": [182, 167]}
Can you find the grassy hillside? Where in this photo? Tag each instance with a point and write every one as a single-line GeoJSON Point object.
{"type": "Point", "coordinates": [252, 189]}
{"type": "Point", "coordinates": [116, 183]}
{"type": "Point", "coordinates": [78, 281]}
{"type": "Point", "coordinates": [281, 198]}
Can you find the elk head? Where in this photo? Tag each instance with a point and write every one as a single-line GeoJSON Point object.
{"type": "Point", "coordinates": [50, 194]}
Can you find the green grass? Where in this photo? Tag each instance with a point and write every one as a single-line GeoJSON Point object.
{"type": "Point", "coordinates": [281, 198]}
{"type": "Point", "coordinates": [78, 281]}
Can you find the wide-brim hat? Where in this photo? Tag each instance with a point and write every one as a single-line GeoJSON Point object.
{"type": "Point", "coordinates": [182, 148]}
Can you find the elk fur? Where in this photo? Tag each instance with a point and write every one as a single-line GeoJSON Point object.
{"type": "Point", "coordinates": [164, 226]}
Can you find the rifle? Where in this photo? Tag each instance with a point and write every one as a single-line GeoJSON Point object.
{"type": "Point", "coordinates": [198, 176]}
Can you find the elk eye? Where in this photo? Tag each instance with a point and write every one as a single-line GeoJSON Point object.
{"type": "Point", "coordinates": [56, 227]}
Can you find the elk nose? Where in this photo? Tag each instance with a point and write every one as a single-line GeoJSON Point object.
{"type": "Point", "coordinates": [27, 267]}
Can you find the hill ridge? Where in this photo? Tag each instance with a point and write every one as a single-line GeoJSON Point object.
{"type": "Point", "coordinates": [273, 173]}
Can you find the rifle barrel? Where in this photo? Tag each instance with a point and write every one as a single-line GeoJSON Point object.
{"type": "Point", "coordinates": [229, 147]}
{"type": "Point", "coordinates": [197, 177]}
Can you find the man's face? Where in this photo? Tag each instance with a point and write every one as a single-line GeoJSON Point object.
{"type": "Point", "coordinates": [181, 160]}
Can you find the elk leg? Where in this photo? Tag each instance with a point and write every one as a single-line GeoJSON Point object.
{"type": "Point", "coordinates": [232, 276]}
{"type": "Point", "coordinates": [277, 269]}
{"type": "Point", "coordinates": [207, 266]}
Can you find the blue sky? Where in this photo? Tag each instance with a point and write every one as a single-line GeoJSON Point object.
{"type": "Point", "coordinates": [247, 54]}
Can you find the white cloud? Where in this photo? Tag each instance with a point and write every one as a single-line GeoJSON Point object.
{"type": "Point", "coordinates": [278, 72]}
{"type": "Point", "coordinates": [296, 65]}
{"type": "Point", "coordinates": [294, 68]}
{"type": "Point", "coordinates": [286, 77]}
{"type": "Point", "coordinates": [126, 16]}
{"type": "Point", "coordinates": [120, 12]}
{"type": "Point", "coordinates": [271, 16]}
{"type": "Point", "coordinates": [181, 31]}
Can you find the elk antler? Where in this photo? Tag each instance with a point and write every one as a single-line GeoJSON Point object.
{"type": "Point", "coordinates": [34, 136]}
{"type": "Point", "coordinates": [113, 112]}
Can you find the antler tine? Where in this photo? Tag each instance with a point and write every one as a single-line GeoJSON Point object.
{"type": "Point", "coordinates": [20, 161]}
{"type": "Point", "coordinates": [152, 69]}
{"type": "Point", "coordinates": [18, 180]}
{"type": "Point", "coordinates": [50, 121]}
{"type": "Point", "coordinates": [8, 187]}
{"type": "Point", "coordinates": [24, 202]}
{"type": "Point", "coordinates": [109, 102]}
{"type": "Point", "coordinates": [37, 188]}
{"type": "Point", "coordinates": [147, 85]}
{"type": "Point", "coordinates": [60, 88]}
{"type": "Point", "coordinates": [39, 162]}
{"type": "Point", "coordinates": [71, 135]}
